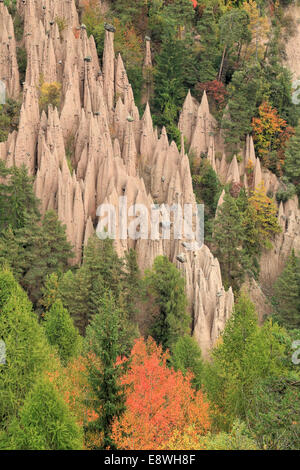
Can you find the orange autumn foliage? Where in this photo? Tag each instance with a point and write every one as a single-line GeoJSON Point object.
{"type": "Point", "coordinates": [160, 402]}
{"type": "Point", "coordinates": [271, 134]}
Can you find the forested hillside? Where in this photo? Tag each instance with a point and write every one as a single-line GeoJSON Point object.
{"type": "Point", "coordinates": [149, 342]}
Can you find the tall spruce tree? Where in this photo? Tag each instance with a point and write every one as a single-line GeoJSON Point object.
{"type": "Point", "coordinates": [227, 239]}
{"type": "Point", "coordinates": [180, 12]}
{"type": "Point", "coordinates": [36, 250]}
{"type": "Point", "coordinates": [61, 331]}
{"type": "Point", "coordinates": [75, 290]}
{"type": "Point", "coordinates": [132, 12]}
{"type": "Point", "coordinates": [174, 73]}
{"type": "Point", "coordinates": [246, 355]}
{"type": "Point", "coordinates": [17, 197]}
{"type": "Point", "coordinates": [187, 358]}
{"type": "Point", "coordinates": [45, 423]}
{"type": "Point", "coordinates": [168, 304]}
{"type": "Point", "coordinates": [292, 159]}
{"type": "Point", "coordinates": [28, 353]}
{"type": "Point", "coordinates": [286, 299]}
{"type": "Point", "coordinates": [101, 259]}
{"type": "Point", "coordinates": [103, 339]}
{"type": "Point", "coordinates": [131, 285]}
{"type": "Point", "coordinates": [278, 78]}
{"type": "Point", "coordinates": [210, 54]}
{"type": "Point", "coordinates": [81, 291]}
{"type": "Point", "coordinates": [244, 91]}
{"type": "Point", "coordinates": [234, 33]}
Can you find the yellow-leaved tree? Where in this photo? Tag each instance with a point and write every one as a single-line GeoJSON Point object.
{"type": "Point", "coordinates": [264, 214]}
{"type": "Point", "coordinates": [50, 94]}
{"type": "Point", "coordinates": [259, 26]}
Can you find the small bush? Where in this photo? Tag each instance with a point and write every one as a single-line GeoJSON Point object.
{"type": "Point", "coordinates": [285, 192]}
{"type": "Point", "coordinates": [61, 23]}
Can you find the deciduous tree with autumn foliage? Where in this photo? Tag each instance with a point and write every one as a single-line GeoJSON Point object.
{"type": "Point", "coordinates": [159, 403]}
{"type": "Point", "coordinates": [265, 214]}
{"type": "Point", "coordinates": [271, 134]}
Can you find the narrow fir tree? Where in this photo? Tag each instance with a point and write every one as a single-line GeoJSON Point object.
{"type": "Point", "coordinates": [17, 197]}
{"type": "Point", "coordinates": [209, 57]}
{"type": "Point", "coordinates": [292, 159]}
{"type": "Point", "coordinates": [103, 340]}
{"type": "Point", "coordinates": [243, 92]}
{"type": "Point", "coordinates": [28, 353]}
{"type": "Point", "coordinates": [286, 298]}
{"type": "Point", "coordinates": [42, 249]}
{"type": "Point", "coordinates": [81, 291]}
{"type": "Point", "coordinates": [131, 285]}
{"type": "Point", "coordinates": [169, 87]}
{"type": "Point", "coordinates": [228, 240]}
{"type": "Point", "coordinates": [187, 357]}
{"type": "Point", "coordinates": [75, 290]}
{"type": "Point", "coordinates": [61, 332]}
{"type": "Point", "coordinates": [45, 423]}
{"type": "Point", "coordinates": [165, 285]}
{"type": "Point", "coordinates": [101, 259]}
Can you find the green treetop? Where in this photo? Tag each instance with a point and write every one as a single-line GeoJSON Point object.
{"type": "Point", "coordinates": [165, 285]}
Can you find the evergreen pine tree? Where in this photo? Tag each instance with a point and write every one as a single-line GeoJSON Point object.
{"type": "Point", "coordinates": [286, 298]}
{"type": "Point", "coordinates": [234, 33]}
{"type": "Point", "coordinates": [180, 12]}
{"type": "Point", "coordinates": [165, 286]}
{"type": "Point", "coordinates": [227, 240]}
{"type": "Point", "coordinates": [210, 54]}
{"type": "Point", "coordinates": [245, 355]}
{"type": "Point", "coordinates": [45, 423]}
{"type": "Point", "coordinates": [42, 249]}
{"type": "Point", "coordinates": [103, 337]}
{"type": "Point", "coordinates": [187, 357]}
{"type": "Point", "coordinates": [292, 159]}
{"type": "Point", "coordinates": [61, 331]}
{"type": "Point", "coordinates": [173, 75]}
{"type": "Point", "coordinates": [244, 90]}
{"type": "Point", "coordinates": [278, 78]}
{"type": "Point", "coordinates": [207, 189]}
{"type": "Point", "coordinates": [132, 12]}
{"type": "Point", "coordinates": [17, 197]}
{"type": "Point", "coordinates": [75, 290]}
{"type": "Point", "coordinates": [28, 353]}
{"type": "Point", "coordinates": [131, 285]}
{"type": "Point", "coordinates": [101, 259]}
{"type": "Point", "coordinates": [81, 291]}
